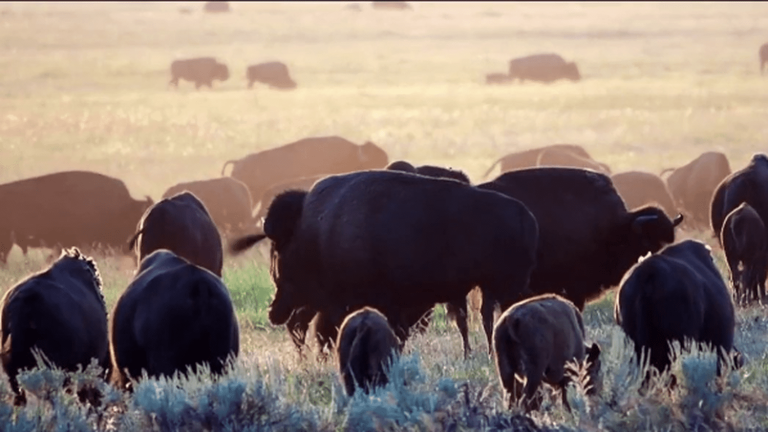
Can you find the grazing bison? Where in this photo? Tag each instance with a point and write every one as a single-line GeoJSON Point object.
{"type": "Point", "coordinates": [674, 295]}
{"type": "Point", "coordinates": [365, 347]}
{"type": "Point", "coordinates": [274, 74]}
{"type": "Point", "coordinates": [69, 208]}
{"type": "Point", "coordinates": [587, 238]}
{"type": "Point", "coordinates": [566, 158]}
{"type": "Point", "coordinates": [173, 315]}
{"type": "Point", "coordinates": [497, 78]}
{"type": "Point", "coordinates": [61, 312]}
{"type": "Point", "coordinates": [216, 7]}
{"type": "Point", "coordinates": [744, 242]}
{"type": "Point", "coordinates": [182, 225]}
{"type": "Point", "coordinates": [378, 239]}
{"type": "Point", "coordinates": [638, 188]}
{"type": "Point", "coordinates": [227, 200]}
{"type": "Point", "coordinates": [529, 158]}
{"type": "Point", "coordinates": [543, 68]}
{"type": "Point", "coordinates": [692, 186]}
{"type": "Point", "coordinates": [390, 5]}
{"type": "Point", "coordinates": [200, 70]}
{"type": "Point", "coordinates": [301, 183]}
{"type": "Point", "coordinates": [534, 339]}
{"type": "Point", "coordinates": [763, 57]}
{"type": "Point", "coordinates": [304, 158]}
{"type": "Point", "coordinates": [749, 185]}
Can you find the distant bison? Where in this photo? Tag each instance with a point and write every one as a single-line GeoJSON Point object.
{"type": "Point", "coordinates": [182, 225]}
{"type": "Point", "coordinates": [763, 57]}
{"type": "Point", "coordinates": [639, 188]}
{"type": "Point", "coordinates": [543, 68]}
{"type": "Point", "coordinates": [216, 7]}
{"type": "Point", "coordinates": [555, 157]}
{"type": "Point", "coordinates": [377, 238]}
{"type": "Point", "coordinates": [201, 71]}
{"type": "Point", "coordinates": [227, 200]}
{"type": "Point", "coordinates": [693, 184]}
{"type": "Point", "coordinates": [674, 295]}
{"type": "Point", "coordinates": [534, 339]}
{"type": "Point", "coordinates": [274, 74]}
{"type": "Point", "coordinates": [390, 5]}
{"type": "Point", "coordinates": [530, 158]}
{"type": "Point", "coordinates": [744, 242]}
{"type": "Point", "coordinates": [301, 183]}
{"type": "Point", "coordinates": [304, 158]}
{"type": "Point", "coordinates": [69, 208]}
{"type": "Point", "coordinates": [61, 312]}
{"type": "Point", "coordinates": [365, 348]}
{"type": "Point", "coordinates": [429, 171]}
{"type": "Point", "coordinates": [497, 78]}
{"type": "Point", "coordinates": [749, 185]}
{"type": "Point", "coordinates": [173, 315]}
{"type": "Point", "coordinates": [587, 238]}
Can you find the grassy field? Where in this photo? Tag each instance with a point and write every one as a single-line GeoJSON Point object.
{"type": "Point", "coordinates": [84, 86]}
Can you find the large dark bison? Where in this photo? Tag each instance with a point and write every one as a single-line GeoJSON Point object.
{"type": "Point", "coordinates": [227, 199]}
{"type": "Point", "coordinates": [304, 158]}
{"type": "Point", "coordinates": [566, 158]}
{"type": "Point", "coordinates": [200, 70]}
{"type": "Point", "coordinates": [529, 158]}
{"type": "Point", "coordinates": [639, 188]}
{"type": "Point", "coordinates": [70, 208]}
{"type": "Point", "coordinates": [365, 348]}
{"type": "Point", "coordinates": [397, 242]}
{"type": "Point", "coordinates": [534, 339]}
{"type": "Point", "coordinates": [763, 57]}
{"type": "Point", "coordinates": [693, 184]}
{"type": "Point", "coordinates": [173, 315]}
{"type": "Point", "coordinates": [182, 225]}
{"type": "Point", "coordinates": [746, 250]}
{"type": "Point", "coordinates": [587, 238]}
{"type": "Point", "coordinates": [674, 295]}
{"type": "Point", "coordinates": [274, 74]}
{"type": "Point", "coordinates": [543, 68]}
{"type": "Point", "coordinates": [749, 185]}
{"type": "Point", "coordinates": [216, 7]}
{"type": "Point", "coordinates": [61, 312]}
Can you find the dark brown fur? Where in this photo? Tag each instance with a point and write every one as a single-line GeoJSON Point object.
{"type": "Point", "coordinates": [544, 68]}
{"type": "Point", "coordinates": [747, 185]}
{"type": "Point", "coordinates": [200, 70]}
{"type": "Point", "coordinates": [744, 242]}
{"type": "Point", "coordinates": [274, 74]}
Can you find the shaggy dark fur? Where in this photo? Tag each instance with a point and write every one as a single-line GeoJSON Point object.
{"type": "Point", "coordinates": [744, 242]}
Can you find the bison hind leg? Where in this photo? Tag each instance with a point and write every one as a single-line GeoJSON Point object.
{"type": "Point", "coordinates": [458, 311]}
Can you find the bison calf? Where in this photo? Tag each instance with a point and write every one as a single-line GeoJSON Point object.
{"type": "Point", "coordinates": [173, 315]}
{"type": "Point", "coordinates": [744, 242]}
{"type": "Point", "coordinates": [61, 312]}
{"type": "Point", "coordinates": [365, 347]}
{"type": "Point", "coordinates": [535, 338]}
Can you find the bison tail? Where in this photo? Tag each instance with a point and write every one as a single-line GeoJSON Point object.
{"type": "Point", "coordinates": [224, 168]}
{"type": "Point", "coordinates": [243, 243]}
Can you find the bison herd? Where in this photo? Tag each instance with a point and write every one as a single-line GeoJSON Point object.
{"type": "Point", "coordinates": [365, 248]}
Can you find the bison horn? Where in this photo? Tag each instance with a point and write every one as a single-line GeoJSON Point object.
{"type": "Point", "coordinates": [637, 225]}
{"type": "Point", "coordinates": [678, 219]}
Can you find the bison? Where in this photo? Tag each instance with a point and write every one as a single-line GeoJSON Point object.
{"type": "Point", "coordinates": [274, 74]}
{"type": "Point", "coordinates": [216, 7]}
{"type": "Point", "coordinates": [566, 158]}
{"type": "Point", "coordinates": [639, 188]}
{"type": "Point", "coordinates": [674, 295]}
{"type": "Point", "coordinates": [301, 183]}
{"type": "Point", "coordinates": [744, 242]}
{"type": "Point", "coordinates": [304, 158]}
{"type": "Point", "coordinates": [200, 70]}
{"type": "Point", "coordinates": [61, 312]}
{"type": "Point", "coordinates": [182, 225]}
{"type": "Point", "coordinates": [365, 348]}
{"type": "Point", "coordinates": [375, 238]}
{"type": "Point", "coordinates": [749, 185]}
{"type": "Point", "coordinates": [172, 316]}
{"type": "Point", "coordinates": [692, 186]}
{"type": "Point", "coordinates": [227, 200]}
{"type": "Point", "coordinates": [544, 68]}
{"type": "Point", "coordinates": [763, 57]}
{"type": "Point", "coordinates": [69, 208]}
{"type": "Point", "coordinates": [534, 339]}
{"type": "Point", "coordinates": [587, 238]}
{"type": "Point", "coordinates": [529, 158]}
{"type": "Point", "coordinates": [390, 5]}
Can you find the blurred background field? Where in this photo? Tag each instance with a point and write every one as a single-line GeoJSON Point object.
{"type": "Point", "coordinates": [84, 86]}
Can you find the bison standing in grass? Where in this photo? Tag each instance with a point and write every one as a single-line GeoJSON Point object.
{"type": "Point", "coordinates": [61, 312]}
{"type": "Point", "coordinates": [530, 158]}
{"type": "Point", "coordinates": [749, 185]}
{"type": "Point", "coordinates": [397, 242]}
{"type": "Point", "coordinates": [674, 295]}
{"type": "Point", "coordinates": [201, 71]}
{"type": "Point", "coordinates": [744, 242]}
{"type": "Point", "coordinates": [173, 315]}
{"type": "Point", "coordinates": [274, 74]}
{"type": "Point", "coordinates": [182, 225]}
{"type": "Point", "coordinates": [532, 342]}
{"type": "Point", "coordinates": [365, 348]}
{"type": "Point", "coordinates": [544, 68]}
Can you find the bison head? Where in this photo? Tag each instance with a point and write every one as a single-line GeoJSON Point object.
{"type": "Point", "coordinates": [572, 71]}
{"type": "Point", "coordinates": [651, 229]}
{"type": "Point", "coordinates": [222, 72]}
{"type": "Point", "coordinates": [372, 156]}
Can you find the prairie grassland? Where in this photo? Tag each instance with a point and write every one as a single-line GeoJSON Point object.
{"type": "Point", "coordinates": [84, 86]}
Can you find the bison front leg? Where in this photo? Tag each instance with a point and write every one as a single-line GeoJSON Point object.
{"type": "Point", "coordinates": [298, 325]}
{"type": "Point", "coordinates": [486, 311]}
{"type": "Point", "coordinates": [458, 310]}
